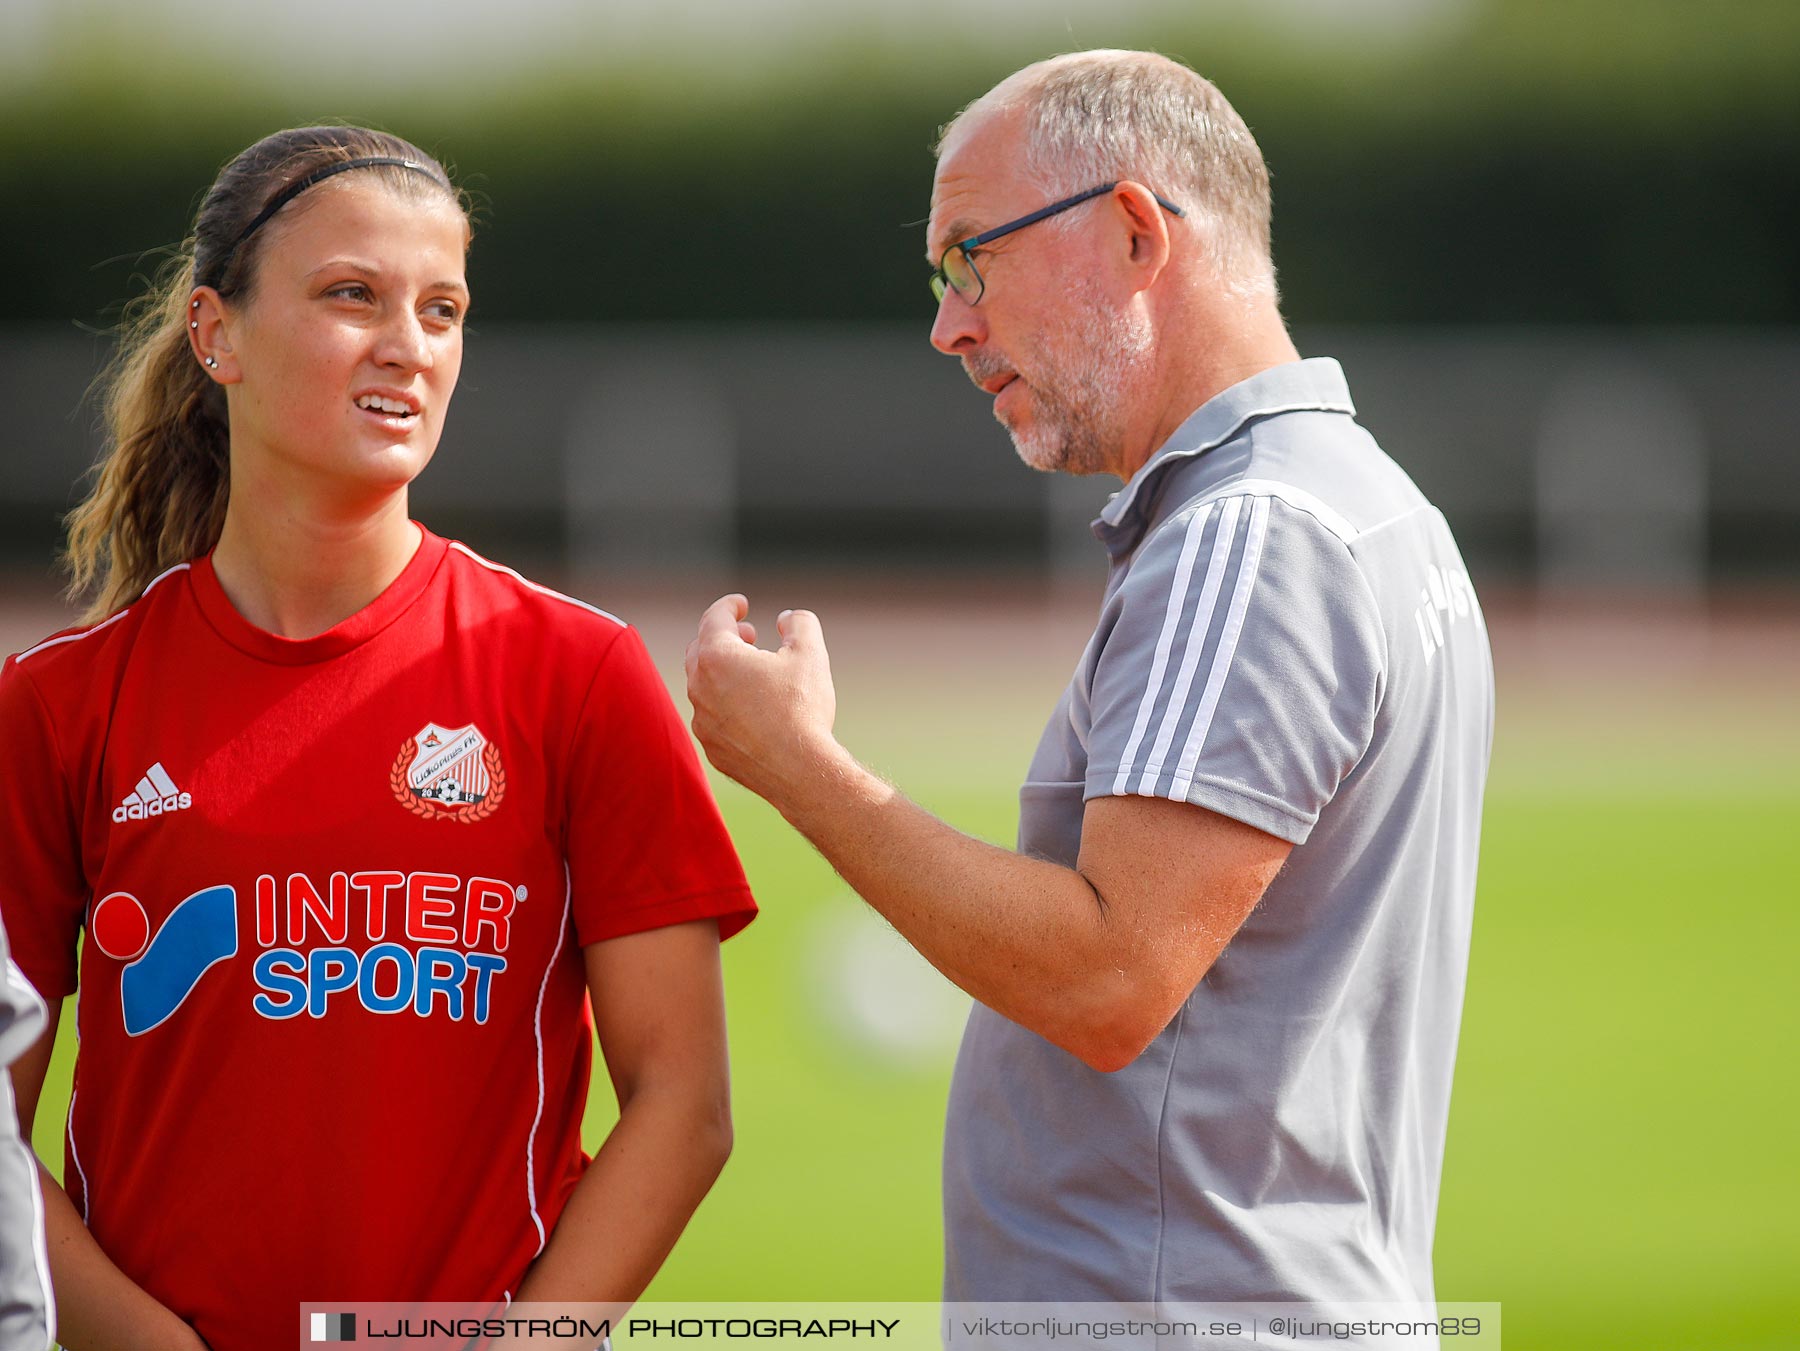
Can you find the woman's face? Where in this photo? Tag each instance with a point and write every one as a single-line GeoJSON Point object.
{"type": "Point", "coordinates": [340, 362]}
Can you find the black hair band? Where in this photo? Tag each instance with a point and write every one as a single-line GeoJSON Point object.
{"type": "Point", "coordinates": [300, 185]}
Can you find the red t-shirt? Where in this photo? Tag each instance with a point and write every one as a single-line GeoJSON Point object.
{"type": "Point", "coordinates": [335, 1042]}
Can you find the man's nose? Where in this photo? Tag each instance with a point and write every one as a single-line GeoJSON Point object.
{"type": "Point", "coordinates": [959, 326]}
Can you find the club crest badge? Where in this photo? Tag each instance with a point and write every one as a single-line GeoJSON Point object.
{"type": "Point", "coordinates": [451, 773]}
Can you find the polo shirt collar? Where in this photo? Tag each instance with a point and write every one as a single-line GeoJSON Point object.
{"type": "Point", "coordinates": [1316, 384]}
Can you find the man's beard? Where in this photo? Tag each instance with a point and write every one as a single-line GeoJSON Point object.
{"type": "Point", "coordinates": [1079, 385]}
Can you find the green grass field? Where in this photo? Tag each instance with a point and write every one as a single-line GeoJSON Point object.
{"type": "Point", "coordinates": [1621, 1171]}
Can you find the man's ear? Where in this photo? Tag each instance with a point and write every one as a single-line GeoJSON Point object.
{"type": "Point", "coordinates": [1146, 228]}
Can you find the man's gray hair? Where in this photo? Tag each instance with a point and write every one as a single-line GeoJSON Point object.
{"type": "Point", "coordinates": [1094, 117]}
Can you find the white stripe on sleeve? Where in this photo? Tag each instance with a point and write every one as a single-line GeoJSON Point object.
{"type": "Point", "coordinates": [1165, 641]}
{"type": "Point", "coordinates": [1228, 641]}
{"type": "Point", "coordinates": [1223, 543]}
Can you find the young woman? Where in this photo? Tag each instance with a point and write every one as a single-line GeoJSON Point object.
{"type": "Point", "coordinates": [358, 825]}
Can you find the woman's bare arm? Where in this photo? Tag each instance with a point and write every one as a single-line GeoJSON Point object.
{"type": "Point", "coordinates": [659, 1010]}
{"type": "Point", "coordinates": [98, 1307]}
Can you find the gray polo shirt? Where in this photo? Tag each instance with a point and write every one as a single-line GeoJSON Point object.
{"type": "Point", "coordinates": [1288, 637]}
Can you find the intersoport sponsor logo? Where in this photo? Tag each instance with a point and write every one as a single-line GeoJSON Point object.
{"type": "Point", "coordinates": [424, 944]}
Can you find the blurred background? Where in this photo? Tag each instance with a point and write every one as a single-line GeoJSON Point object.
{"type": "Point", "coordinates": [1553, 243]}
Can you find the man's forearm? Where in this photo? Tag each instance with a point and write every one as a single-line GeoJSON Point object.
{"type": "Point", "coordinates": [1096, 958]}
{"type": "Point", "coordinates": [1030, 939]}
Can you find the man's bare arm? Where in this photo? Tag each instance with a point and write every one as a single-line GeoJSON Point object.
{"type": "Point", "coordinates": [1095, 958]}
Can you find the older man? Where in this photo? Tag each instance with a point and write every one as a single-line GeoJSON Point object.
{"type": "Point", "coordinates": [1219, 982]}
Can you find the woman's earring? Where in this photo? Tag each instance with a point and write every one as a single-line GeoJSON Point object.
{"type": "Point", "coordinates": [212, 364]}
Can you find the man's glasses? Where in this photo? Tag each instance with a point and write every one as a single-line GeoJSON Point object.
{"type": "Point", "coordinates": [956, 270]}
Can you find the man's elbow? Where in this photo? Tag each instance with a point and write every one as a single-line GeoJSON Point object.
{"type": "Point", "coordinates": [1111, 1057]}
{"type": "Point", "coordinates": [1114, 1040]}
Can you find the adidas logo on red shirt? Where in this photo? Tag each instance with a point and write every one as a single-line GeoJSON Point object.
{"type": "Point", "coordinates": [155, 795]}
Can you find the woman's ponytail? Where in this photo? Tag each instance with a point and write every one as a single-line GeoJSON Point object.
{"type": "Point", "coordinates": [159, 494]}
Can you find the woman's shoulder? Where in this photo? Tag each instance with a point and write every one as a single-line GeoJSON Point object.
{"type": "Point", "coordinates": [79, 656]}
{"type": "Point", "coordinates": [501, 596]}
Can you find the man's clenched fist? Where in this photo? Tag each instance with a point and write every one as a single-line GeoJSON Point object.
{"type": "Point", "coordinates": [763, 718]}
